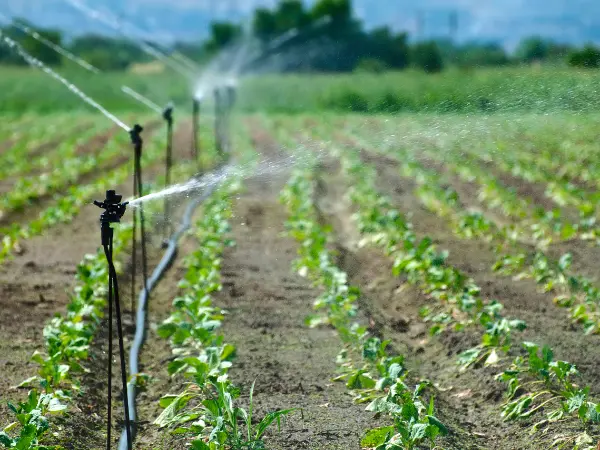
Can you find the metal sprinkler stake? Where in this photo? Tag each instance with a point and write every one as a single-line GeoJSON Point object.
{"type": "Point", "coordinates": [113, 212]}
{"type": "Point", "coordinates": [168, 116]}
{"type": "Point", "coordinates": [195, 127]}
{"type": "Point", "coordinates": [136, 140]}
{"type": "Point", "coordinates": [218, 121]}
{"type": "Point", "coordinates": [231, 98]}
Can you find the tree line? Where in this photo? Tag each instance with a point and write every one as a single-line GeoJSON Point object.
{"type": "Point", "coordinates": [323, 37]}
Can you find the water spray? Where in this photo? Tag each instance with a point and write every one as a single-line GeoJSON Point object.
{"type": "Point", "coordinates": [113, 212]}
{"type": "Point", "coordinates": [167, 114]}
{"type": "Point", "coordinates": [280, 42]}
{"type": "Point", "coordinates": [118, 26]}
{"type": "Point", "coordinates": [186, 61]}
{"type": "Point", "coordinates": [57, 48]}
{"type": "Point", "coordinates": [143, 100]}
{"type": "Point", "coordinates": [34, 62]}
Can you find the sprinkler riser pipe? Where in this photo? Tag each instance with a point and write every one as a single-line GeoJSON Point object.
{"type": "Point", "coordinates": [168, 164]}
{"type": "Point", "coordinates": [195, 128]}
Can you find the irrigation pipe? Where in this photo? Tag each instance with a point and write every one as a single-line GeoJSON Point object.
{"type": "Point", "coordinates": [140, 331]}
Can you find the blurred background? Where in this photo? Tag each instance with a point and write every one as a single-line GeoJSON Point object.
{"type": "Point", "coordinates": [432, 55]}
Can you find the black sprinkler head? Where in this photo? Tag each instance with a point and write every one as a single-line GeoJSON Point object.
{"type": "Point", "coordinates": [112, 197]}
{"type": "Point", "coordinates": [112, 206]}
{"type": "Point", "coordinates": [168, 113]}
{"type": "Point", "coordinates": [134, 133]}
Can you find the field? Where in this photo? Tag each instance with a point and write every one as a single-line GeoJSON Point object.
{"type": "Point", "coordinates": [390, 277]}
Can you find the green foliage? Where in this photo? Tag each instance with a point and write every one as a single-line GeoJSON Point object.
{"type": "Point", "coordinates": [427, 57]}
{"type": "Point", "coordinates": [414, 420]}
{"type": "Point", "coordinates": [375, 376]}
{"type": "Point", "coordinates": [389, 48]}
{"type": "Point", "coordinates": [107, 53]}
{"type": "Point", "coordinates": [532, 49]}
{"type": "Point", "coordinates": [206, 410]}
{"type": "Point", "coordinates": [223, 34]}
{"type": "Point", "coordinates": [511, 89]}
{"type": "Point", "coordinates": [69, 205]}
{"type": "Point", "coordinates": [32, 45]}
{"type": "Point", "coordinates": [588, 57]}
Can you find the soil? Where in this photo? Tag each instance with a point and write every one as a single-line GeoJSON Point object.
{"type": "Point", "coordinates": [293, 366]}
{"type": "Point", "coordinates": [34, 286]}
{"type": "Point", "coordinates": [397, 306]}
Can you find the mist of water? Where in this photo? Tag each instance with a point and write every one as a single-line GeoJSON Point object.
{"type": "Point", "coordinates": [34, 62]}
{"type": "Point", "coordinates": [265, 168]}
{"type": "Point", "coordinates": [224, 69]}
{"type": "Point", "coordinates": [243, 58]}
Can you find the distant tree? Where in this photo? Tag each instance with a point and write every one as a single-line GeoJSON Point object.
{"type": "Point", "coordinates": [532, 49]}
{"type": "Point", "coordinates": [559, 52]}
{"type": "Point", "coordinates": [41, 51]}
{"type": "Point", "coordinates": [390, 48]}
{"type": "Point", "coordinates": [264, 24]}
{"type": "Point", "coordinates": [339, 11]}
{"type": "Point", "coordinates": [427, 56]}
{"type": "Point", "coordinates": [290, 14]}
{"type": "Point", "coordinates": [588, 57]}
{"type": "Point", "coordinates": [222, 35]}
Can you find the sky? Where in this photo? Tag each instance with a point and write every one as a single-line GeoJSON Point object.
{"type": "Point", "coordinates": [503, 21]}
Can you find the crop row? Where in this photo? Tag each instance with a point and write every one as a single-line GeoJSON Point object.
{"type": "Point", "coordinates": [207, 410]}
{"type": "Point", "coordinates": [68, 340]}
{"type": "Point", "coordinates": [536, 381]}
{"type": "Point", "coordinates": [68, 204]}
{"type": "Point", "coordinates": [70, 169]}
{"type": "Point", "coordinates": [365, 365]}
{"type": "Point", "coordinates": [68, 337]}
{"type": "Point", "coordinates": [52, 146]}
{"type": "Point", "coordinates": [514, 252]}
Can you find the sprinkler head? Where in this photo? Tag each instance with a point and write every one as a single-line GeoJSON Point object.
{"type": "Point", "coordinates": [113, 212]}
{"type": "Point", "coordinates": [168, 113]}
{"type": "Point", "coordinates": [134, 133]}
{"type": "Point", "coordinates": [112, 206]}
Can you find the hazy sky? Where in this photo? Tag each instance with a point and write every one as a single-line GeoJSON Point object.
{"type": "Point", "coordinates": [501, 20]}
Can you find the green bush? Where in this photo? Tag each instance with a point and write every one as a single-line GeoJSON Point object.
{"type": "Point", "coordinates": [392, 103]}
{"type": "Point", "coordinates": [348, 99]}
{"type": "Point", "coordinates": [588, 57]}
{"type": "Point", "coordinates": [427, 56]}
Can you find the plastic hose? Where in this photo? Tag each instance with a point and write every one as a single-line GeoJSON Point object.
{"type": "Point", "coordinates": [140, 331]}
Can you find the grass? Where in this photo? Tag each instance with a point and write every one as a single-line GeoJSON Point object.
{"type": "Point", "coordinates": [542, 89]}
